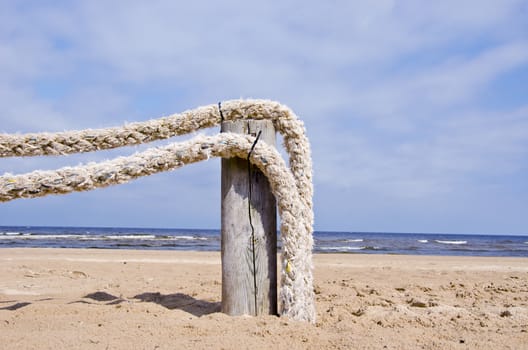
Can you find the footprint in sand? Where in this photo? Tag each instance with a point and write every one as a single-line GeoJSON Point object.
{"type": "Point", "coordinates": [77, 274]}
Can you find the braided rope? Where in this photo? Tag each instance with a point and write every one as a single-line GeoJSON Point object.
{"type": "Point", "coordinates": [283, 118]}
{"type": "Point", "coordinates": [291, 187]}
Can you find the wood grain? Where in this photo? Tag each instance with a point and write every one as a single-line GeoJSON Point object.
{"type": "Point", "coordinates": [238, 263]}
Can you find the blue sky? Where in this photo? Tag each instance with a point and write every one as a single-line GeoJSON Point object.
{"type": "Point", "coordinates": [417, 111]}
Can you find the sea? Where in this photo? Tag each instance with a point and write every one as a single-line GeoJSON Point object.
{"type": "Point", "coordinates": [209, 240]}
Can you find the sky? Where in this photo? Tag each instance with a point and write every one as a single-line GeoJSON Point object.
{"type": "Point", "coordinates": [417, 112]}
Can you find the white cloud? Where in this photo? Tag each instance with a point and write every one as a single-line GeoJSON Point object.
{"type": "Point", "coordinates": [391, 91]}
{"type": "Point", "coordinates": [22, 111]}
{"type": "Point", "coordinates": [465, 152]}
{"type": "Point", "coordinates": [431, 91]}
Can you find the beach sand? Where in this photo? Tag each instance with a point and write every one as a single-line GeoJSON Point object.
{"type": "Point", "coordinates": [117, 299]}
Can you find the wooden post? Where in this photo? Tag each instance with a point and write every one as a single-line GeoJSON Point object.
{"type": "Point", "coordinates": [248, 262]}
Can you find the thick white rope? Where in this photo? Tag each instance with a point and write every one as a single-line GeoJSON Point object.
{"type": "Point", "coordinates": [283, 118]}
{"type": "Point", "coordinates": [296, 293]}
{"type": "Point", "coordinates": [292, 188]}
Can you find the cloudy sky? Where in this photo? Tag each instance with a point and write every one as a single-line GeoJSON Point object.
{"type": "Point", "coordinates": [417, 111]}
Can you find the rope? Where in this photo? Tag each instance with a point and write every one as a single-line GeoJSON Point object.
{"type": "Point", "coordinates": [292, 187]}
{"type": "Point", "coordinates": [284, 120]}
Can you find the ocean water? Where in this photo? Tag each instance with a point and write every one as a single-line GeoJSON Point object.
{"type": "Point", "coordinates": [209, 240]}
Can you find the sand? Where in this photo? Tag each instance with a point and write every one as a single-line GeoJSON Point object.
{"type": "Point", "coordinates": [116, 299]}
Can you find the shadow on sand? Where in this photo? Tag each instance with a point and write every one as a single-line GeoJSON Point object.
{"type": "Point", "coordinates": [15, 306]}
{"type": "Point", "coordinates": [101, 297]}
{"type": "Point", "coordinates": [182, 302]}
{"type": "Point", "coordinates": [178, 301]}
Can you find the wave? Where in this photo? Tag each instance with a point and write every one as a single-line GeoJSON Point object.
{"type": "Point", "coordinates": [142, 238]}
{"type": "Point", "coordinates": [348, 248]}
{"type": "Point", "coordinates": [210, 240]}
{"type": "Point", "coordinates": [10, 233]}
{"type": "Point", "coordinates": [138, 237]}
{"type": "Point", "coordinates": [341, 248]}
{"type": "Point", "coordinates": [371, 248]}
{"type": "Point", "coordinates": [450, 242]}
{"type": "Point", "coordinates": [188, 238]}
{"type": "Point", "coordinates": [27, 236]}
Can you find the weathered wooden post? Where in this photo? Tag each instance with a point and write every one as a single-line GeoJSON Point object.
{"type": "Point", "coordinates": [249, 230]}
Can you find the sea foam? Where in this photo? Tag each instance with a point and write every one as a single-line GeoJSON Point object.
{"type": "Point", "coordinates": [450, 242]}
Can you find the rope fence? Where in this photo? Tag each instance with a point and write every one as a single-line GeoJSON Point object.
{"type": "Point", "coordinates": [291, 186]}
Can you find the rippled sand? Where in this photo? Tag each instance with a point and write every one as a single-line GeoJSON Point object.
{"type": "Point", "coordinates": [116, 299]}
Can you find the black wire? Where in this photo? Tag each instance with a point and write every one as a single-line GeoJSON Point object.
{"type": "Point", "coordinates": [220, 110]}
{"type": "Point", "coordinates": [251, 221]}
